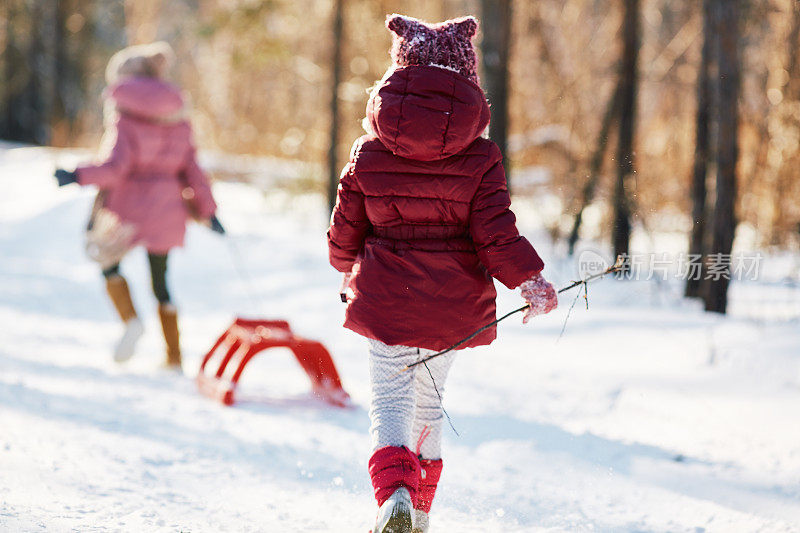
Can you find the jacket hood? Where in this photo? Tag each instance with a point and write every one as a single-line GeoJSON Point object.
{"type": "Point", "coordinates": [427, 113]}
{"type": "Point", "coordinates": [148, 98]}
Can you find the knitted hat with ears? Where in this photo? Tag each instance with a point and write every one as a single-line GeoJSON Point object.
{"type": "Point", "coordinates": [447, 44]}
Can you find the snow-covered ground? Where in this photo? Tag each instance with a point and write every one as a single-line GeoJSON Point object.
{"type": "Point", "coordinates": [647, 415]}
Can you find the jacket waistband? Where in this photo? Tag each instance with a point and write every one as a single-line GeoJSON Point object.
{"type": "Point", "coordinates": [425, 245]}
{"type": "Point", "coordinates": [413, 232]}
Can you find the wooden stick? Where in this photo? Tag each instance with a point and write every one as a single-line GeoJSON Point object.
{"type": "Point", "coordinates": [613, 268]}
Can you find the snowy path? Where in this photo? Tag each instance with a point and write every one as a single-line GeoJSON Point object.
{"type": "Point", "coordinates": [647, 416]}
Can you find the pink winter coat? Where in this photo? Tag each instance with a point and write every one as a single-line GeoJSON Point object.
{"type": "Point", "coordinates": [151, 163]}
{"type": "Point", "coordinates": [422, 216]}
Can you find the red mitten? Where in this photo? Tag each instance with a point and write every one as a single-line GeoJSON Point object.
{"type": "Point", "coordinates": [540, 295]}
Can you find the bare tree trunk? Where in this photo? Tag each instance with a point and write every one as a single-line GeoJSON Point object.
{"type": "Point", "coordinates": [29, 69]}
{"type": "Point", "coordinates": [35, 99]}
{"type": "Point", "coordinates": [7, 48]}
{"type": "Point", "coordinates": [595, 166]}
{"type": "Point", "coordinates": [628, 86]}
{"type": "Point", "coordinates": [32, 95]}
{"type": "Point", "coordinates": [73, 40]}
{"type": "Point", "coordinates": [46, 68]}
{"type": "Point", "coordinates": [333, 165]}
{"type": "Point", "coordinates": [495, 45]}
{"type": "Point", "coordinates": [20, 117]}
{"type": "Point", "coordinates": [724, 220]}
{"type": "Point", "coordinates": [698, 243]}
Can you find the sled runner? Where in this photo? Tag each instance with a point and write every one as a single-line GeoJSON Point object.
{"type": "Point", "coordinates": [246, 338]}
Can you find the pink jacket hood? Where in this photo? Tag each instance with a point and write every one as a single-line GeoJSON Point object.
{"type": "Point", "coordinates": [427, 113]}
{"type": "Point", "coordinates": [148, 98]}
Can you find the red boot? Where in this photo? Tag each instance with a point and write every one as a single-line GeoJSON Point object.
{"type": "Point", "coordinates": [430, 471]}
{"type": "Point", "coordinates": [395, 474]}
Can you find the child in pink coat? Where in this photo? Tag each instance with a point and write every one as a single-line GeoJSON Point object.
{"type": "Point", "coordinates": [149, 181]}
{"type": "Point", "coordinates": [421, 226]}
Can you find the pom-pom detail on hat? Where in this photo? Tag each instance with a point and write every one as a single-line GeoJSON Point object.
{"type": "Point", "coordinates": [447, 44]}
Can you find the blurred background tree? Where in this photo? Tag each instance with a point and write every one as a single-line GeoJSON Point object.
{"type": "Point", "coordinates": [726, 30]}
{"type": "Point", "coordinates": [581, 90]}
{"type": "Point", "coordinates": [626, 92]}
{"type": "Point", "coordinates": [698, 245]}
{"type": "Point", "coordinates": [496, 17]}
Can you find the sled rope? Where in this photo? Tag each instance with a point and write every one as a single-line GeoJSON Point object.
{"type": "Point", "coordinates": [238, 265]}
{"type": "Point", "coordinates": [616, 267]}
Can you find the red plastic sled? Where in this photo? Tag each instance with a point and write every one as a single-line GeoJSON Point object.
{"type": "Point", "coordinates": [245, 338]}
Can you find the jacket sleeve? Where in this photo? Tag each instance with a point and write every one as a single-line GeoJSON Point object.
{"type": "Point", "coordinates": [196, 180]}
{"type": "Point", "coordinates": [507, 255]}
{"type": "Point", "coordinates": [116, 165]}
{"type": "Point", "coordinates": [349, 222]}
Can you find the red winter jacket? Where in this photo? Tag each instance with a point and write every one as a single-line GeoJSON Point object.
{"type": "Point", "coordinates": [422, 216]}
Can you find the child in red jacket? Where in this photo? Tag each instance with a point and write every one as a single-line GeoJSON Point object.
{"type": "Point", "coordinates": [421, 225]}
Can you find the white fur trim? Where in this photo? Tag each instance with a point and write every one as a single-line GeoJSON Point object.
{"type": "Point", "coordinates": [445, 67]}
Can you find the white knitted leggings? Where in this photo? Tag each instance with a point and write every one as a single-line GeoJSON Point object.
{"type": "Point", "coordinates": [405, 408]}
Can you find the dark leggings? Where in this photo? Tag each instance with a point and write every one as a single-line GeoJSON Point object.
{"type": "Point", "coordinates": [158, 274]}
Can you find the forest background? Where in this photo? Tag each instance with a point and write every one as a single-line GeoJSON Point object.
{"type": "Point", "coordinates": [636, 115]}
